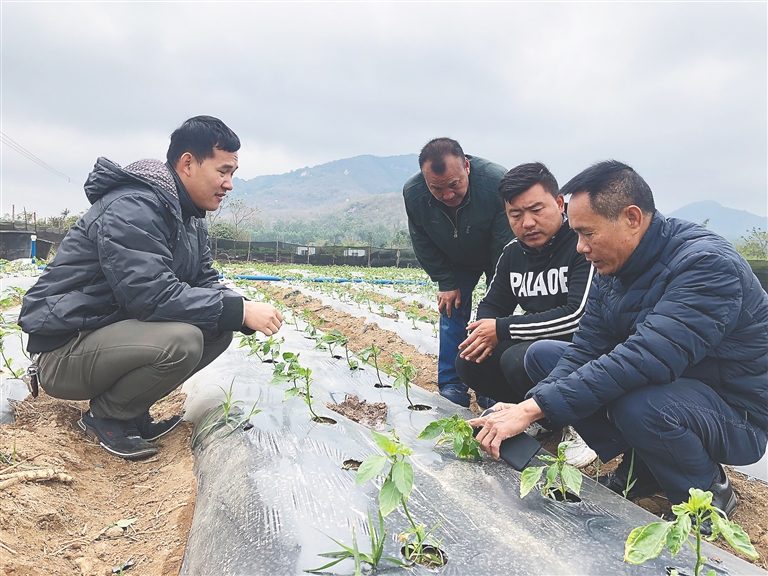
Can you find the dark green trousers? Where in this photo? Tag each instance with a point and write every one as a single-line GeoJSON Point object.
{"type": "Point", "coordinates": [126, 367]}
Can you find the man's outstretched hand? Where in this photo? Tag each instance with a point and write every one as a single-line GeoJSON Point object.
{"type": "Point", "coordinates": [262, 317]}
{"type": "Point", "coordinates": [505, 421]}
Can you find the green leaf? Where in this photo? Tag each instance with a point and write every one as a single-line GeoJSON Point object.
{"type": "Point", "coordinates": [369, 468]}
{"type": "Point", "coordinates": [646, 542]}
{"type": "Point", "coordinates": [529, 478]}
{"type": "Point", "coordinates": [734, 535]}
{"type": "Point", "coordinates": [402, 476]}
{"type": "Point", "coordinates": [572, 478]}
{"type": "Point", "coordinates": [433, 430]}
{"type": "Point", "coordinates": [678, 535]}
{"type": "Point", "coordinates": [389, 498]}
{"type": "Point", "coordinates": [384, 442]}
{"type": "Point", "coordinates": [291, 393]}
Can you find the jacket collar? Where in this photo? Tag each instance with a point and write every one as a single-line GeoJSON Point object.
{"type": "Point", "coordinates": [188, 209]}
{"type": "Point", "coordinates": [647, 252]}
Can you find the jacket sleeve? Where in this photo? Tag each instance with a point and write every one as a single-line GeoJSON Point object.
{"type": "Point", "coordinates": [557, 321]}
{"type": "Point", "coordinates": [501, 233]}
{"type": "Point", "coordinates": [499, 301]}
{"type": "Point", "coordinates": [135, 255]}
{"type": "Point", "coordinates": [431, 258]}
{"type": "Point", "coordinates": [699, 307]}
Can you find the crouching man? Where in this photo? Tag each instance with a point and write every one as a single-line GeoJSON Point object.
{"type": "Point", "coordinates": [671, 356]}
{"type": "Point", "coordinates": [541, 271]}
{"type": "Point", "coordinates": [131, 306]}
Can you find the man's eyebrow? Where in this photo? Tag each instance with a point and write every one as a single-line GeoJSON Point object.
{"type": "Point", "coordinates": [531, 207]}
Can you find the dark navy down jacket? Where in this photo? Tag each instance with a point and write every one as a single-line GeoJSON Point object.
{"type": "Point", "coordinates": [684, 305]}
{"type": "Point", "coordinates": [134, 254]}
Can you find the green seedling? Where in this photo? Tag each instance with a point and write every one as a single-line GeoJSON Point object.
{"type": "Point", "coordinates": [455, 430]}
{"type": "Point", "coordinates": [331, 340]}
{"type": "Point", "coordinates": [266, 351]}
{"type": "Point", "coordinates": [11, 297]}
{"type": "Point", "coordinates": [394, 491]}
{"type": "Point", "coordinates": [405, 373]}
{"type": "Point", "coordinates": [378, 537]}
{"type": "Point", "coordinates": [300, 377]}
{"type": "Point", "coordinates": [6, 330]}
{"type": "Point", "coordinates": [228, 413]}
{"type": "Point", "coordinates": [647, 542]}
{"type": "Point", "coordinates": [630, 481]}
{"type": "Point", "coordinates": [414, 315]}
{"type": "Point", "coordinates": [373, 351]}
{"type": "Point", "coordinates": [294, 318]}
{"type": "Point", "coordinates": [560, 476]}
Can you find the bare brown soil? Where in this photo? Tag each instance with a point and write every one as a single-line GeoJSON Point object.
{"type": "Point", "coordinates": [53, 527]}
{"type": "Point", "coordinates": [370, 415]}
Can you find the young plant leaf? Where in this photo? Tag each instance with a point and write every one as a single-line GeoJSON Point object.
{"type": "Point", "coordinates": [433, 430]}
{"type": "Point", "coordinates": [678, 534]}
{"type": "Point", "coordinates": [370, 468]}
{"type": "Point", "coordinates": [529, 478]}
{"type": "Point", "coordinates": [384, 442]}
{"type": "Point", "coordinates": [572, 478]}
{"type": "Point", "coordinates": [734, 535]}
{"type": "Point", "coordinates": [389, 498]}
{"type": "Point", "coordinates": [402, 476]}
{"type": "Point", "coordinates": [646, 542]}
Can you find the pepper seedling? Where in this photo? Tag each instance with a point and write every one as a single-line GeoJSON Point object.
{"type": "Point", "coordinates": [455, 430]}
{"type": "Point", "coordinates": [395, 490]}
{"type": "Point", "coordinates": [405, 373]}
{"type": "Point", "coordinates": [647, 542]}
{"type": "Point", "coordinates": [560, 476]}
{"type": "Point", "coordinates": [331, 340]}
{"type": "Point", "coordinates": [373, 351]}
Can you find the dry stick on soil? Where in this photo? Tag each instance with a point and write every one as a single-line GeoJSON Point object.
{"type": "Point", "coordinates": [9, 480]}
{"type": "Point", "coordinates": [11, 550]}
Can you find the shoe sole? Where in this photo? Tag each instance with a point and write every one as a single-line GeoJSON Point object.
{"type": "Point", "coordinates": [139, 455]}
{"type": "Point", "coordinates": [175, 424]}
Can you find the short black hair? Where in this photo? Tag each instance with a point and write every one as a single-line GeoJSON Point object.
{"type": "Point", "coordinates": [200, 136]}
{"type": "Point", "coordinates": [612, 186]}
{"type": "Point", "coordinates": [522, 177]}
{"type": "Point", "coordinates": [435, 152]}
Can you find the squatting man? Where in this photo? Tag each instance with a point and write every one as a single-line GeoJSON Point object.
{"type": "Point", "coordinates": [671, 356]}
{"type": "Point", "coordinates": [131, 306]}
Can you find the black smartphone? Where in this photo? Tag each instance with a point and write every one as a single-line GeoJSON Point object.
{"type": "Point", "coordinates": [516, 451]}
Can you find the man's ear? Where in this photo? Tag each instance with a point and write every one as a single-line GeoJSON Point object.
{"type": "Point", "coordinates": [184, 165]}
{"type": "Point", "coordinates": [635, 216]}
{"type": "Point", "coordinates": [560, 202]}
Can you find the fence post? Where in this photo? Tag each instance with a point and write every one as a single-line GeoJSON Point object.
{"type": "Point", "coordinates": [277, 250]}
{"type": "Point", "coordinates": [248, 258]}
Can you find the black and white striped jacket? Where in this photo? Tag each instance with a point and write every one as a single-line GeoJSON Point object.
{"type": "Point", "coordinates": [551, 286]}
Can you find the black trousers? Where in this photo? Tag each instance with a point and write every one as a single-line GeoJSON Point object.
{"type": "Point", "coordinates": [502, 375]}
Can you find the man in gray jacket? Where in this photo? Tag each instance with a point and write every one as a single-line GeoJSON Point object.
{"type": "Point", "coordinates": [131, 306]}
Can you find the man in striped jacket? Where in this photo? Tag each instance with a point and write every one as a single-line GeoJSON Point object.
{"type": "Point", "coordinates": [542, 273]}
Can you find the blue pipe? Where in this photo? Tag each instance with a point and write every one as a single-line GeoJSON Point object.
{"type": "Point", "coordinates": [323, 279]}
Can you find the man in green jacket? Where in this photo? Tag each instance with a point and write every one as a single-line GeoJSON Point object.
{"type": "Point", "coordinates": [458, 229]}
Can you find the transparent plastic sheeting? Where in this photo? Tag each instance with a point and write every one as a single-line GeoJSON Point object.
{"type": "Point", "coordinates": [269, 498]}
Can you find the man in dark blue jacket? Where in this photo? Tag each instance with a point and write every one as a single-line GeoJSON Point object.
{"type": "Point", "coordinates": [131, 305]}
{"type": "Point", "coordinates": [671, 356]}
{"type": "Point", "coordinates": [458, 229]}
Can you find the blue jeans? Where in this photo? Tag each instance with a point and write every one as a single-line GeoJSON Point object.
{"type": "Point", "coordinates": [453, 330]}
{"type": "Point", "coordinates": [681, 430]}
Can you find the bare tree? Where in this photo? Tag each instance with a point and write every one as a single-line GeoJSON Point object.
{"type": "Point", "coordinates": [242, 215]}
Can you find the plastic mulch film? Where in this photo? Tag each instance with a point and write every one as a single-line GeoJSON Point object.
{"type": "Point", "coordinates": [270, 498]}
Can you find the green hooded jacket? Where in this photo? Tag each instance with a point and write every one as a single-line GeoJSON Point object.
{"type": "Point", "coordinates": [477, 239]}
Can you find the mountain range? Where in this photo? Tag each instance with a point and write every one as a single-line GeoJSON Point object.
{"type": "Point", "coordinates": [367, 190]}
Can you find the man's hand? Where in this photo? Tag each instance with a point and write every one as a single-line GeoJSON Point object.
{"type": "Point", "coordinates": [505, 421]}
{"type": "Point", "coordinates": [448, 300]}
{"type": "Point", "coordinates": [481, 340]}
{"type": "Point", "coordinates": [262, 317]}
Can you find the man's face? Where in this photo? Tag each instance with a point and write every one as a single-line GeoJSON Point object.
{"type": "Point", "coordinates": [451, 186]}
{"type": "Point", "coordinates": [209, 182]}
{"type": "Point", "coordinates": [604, 243]}
{"type": "Point", "coordinates": [535, 216]}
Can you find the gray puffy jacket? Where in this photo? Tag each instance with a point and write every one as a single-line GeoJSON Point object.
{"type": "Point", "coordinates": [141, 251]}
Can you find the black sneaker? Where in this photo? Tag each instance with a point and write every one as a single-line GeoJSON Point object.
{"type": "Point", "coordinates": [645, 482]}
{"type": "Point", "coordinates": [118, 437]}
{"type": "Point", "coordinates": [723, 498]}
{"type": "Point", "coordinates": [150, 430]}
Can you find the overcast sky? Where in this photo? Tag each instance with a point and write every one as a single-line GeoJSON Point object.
{"type": "Point", "coordinates": [677, 90]}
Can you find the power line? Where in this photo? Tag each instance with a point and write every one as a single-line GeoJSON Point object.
{"type": "Point", "coordinates": [27, 154]}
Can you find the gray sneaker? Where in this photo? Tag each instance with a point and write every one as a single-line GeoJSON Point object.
{"type": "Point", "coordinates": [578, 454]}
{"type": "Point", "coordinates": [118, 437]}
